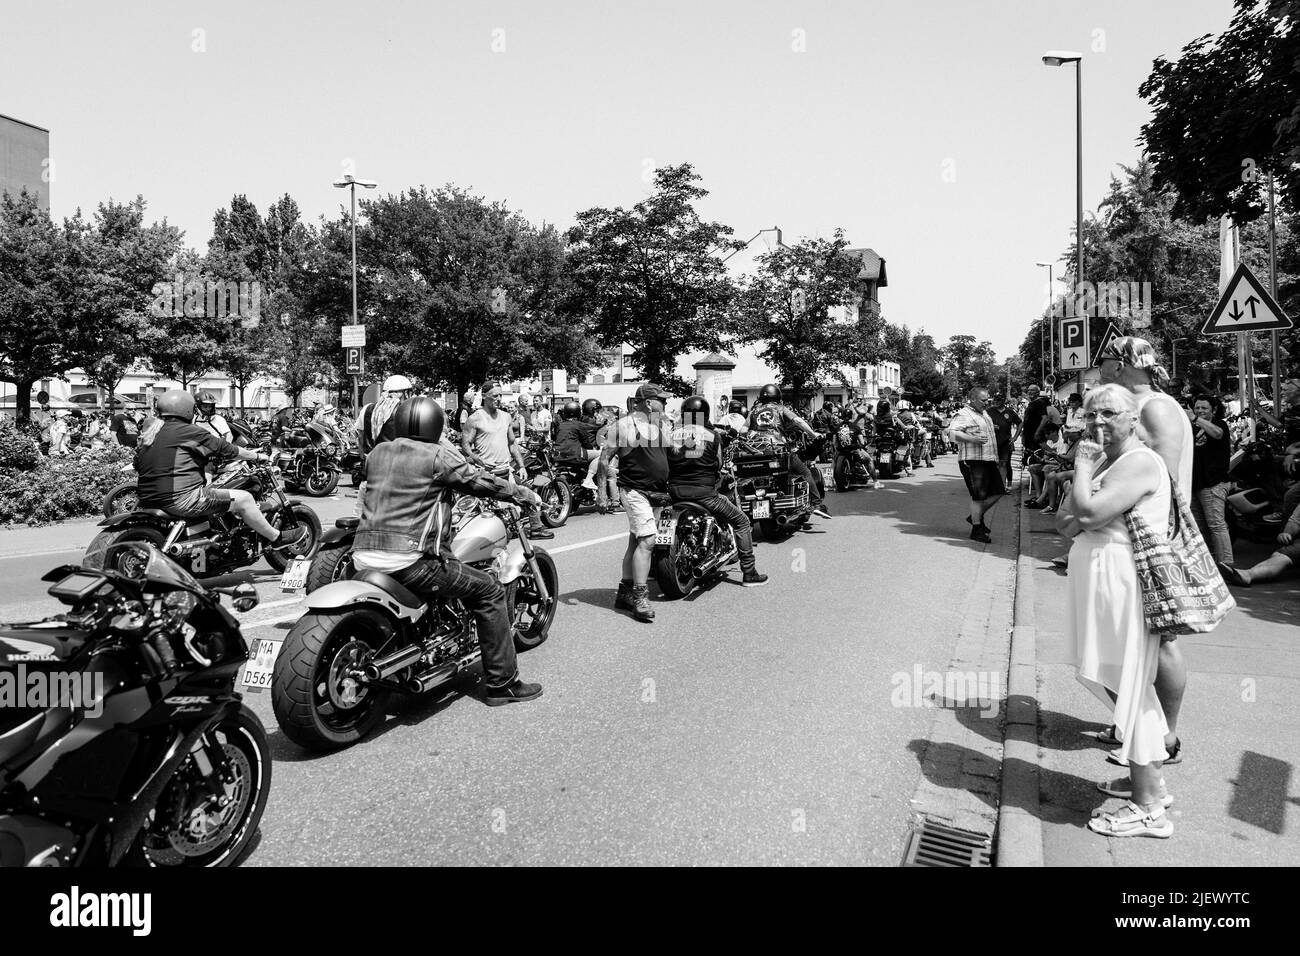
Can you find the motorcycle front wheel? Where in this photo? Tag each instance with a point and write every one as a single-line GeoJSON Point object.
{"type": "Point", "coordinates": [121, 499]}
{"type": "Point", "coordinates": [557, 503]}
{"type": "Point", "coordinates": [321, 482]}
{"type": "Point", "coordinates": [841, 475]}
{"type": "Point", "coordinates": [530, 619]}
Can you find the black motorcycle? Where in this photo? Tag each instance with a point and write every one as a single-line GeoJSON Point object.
{"type": "Point", "coordinates": [208, 544]}
{"type": "Point", "coordinates": [771, 495]}
{"type": "Point", "coordinates": [354, 463]}
{"type": "Point", "coordinates": [147, 757]}
{"type": "Point", "coordinates": [690, 545]}
{"type": "Point", "coordinates": [309, 459]}
{"type": "Point", "coordinates": [891, 451]}
{"type": "Point", "coordinates": [551, 484]}
{"type": "Point", "coordinates": [851, 460]}
{"type": "Point", "coordinates": [1253, 510]}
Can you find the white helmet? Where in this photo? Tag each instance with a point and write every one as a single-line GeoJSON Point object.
{"type": "Point", "coordinates": [397, 383]}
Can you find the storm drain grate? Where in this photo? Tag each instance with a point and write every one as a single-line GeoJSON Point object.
{"type": "Point", "coordinates": [933, 844]}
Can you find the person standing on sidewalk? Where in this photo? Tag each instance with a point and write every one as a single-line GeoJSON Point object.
{"type": "Point", "coordinates": [640, 441]}
{"type": "Point", "coordinates": [1210, 475]}
{"type": "Point", "coordinates": [1164, 428]}
{"type": "Point", "coordinates": [1035, 412]}
{"type": "Point", "coordinates": [977, 457]}
{"type": "Point", "coordinates": [1115, 652]}
{"type": "Point", "coordinates": [1006, 427]}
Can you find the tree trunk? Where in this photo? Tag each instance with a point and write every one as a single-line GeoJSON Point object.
{"type": "Point", "coordinates": [23, 400]}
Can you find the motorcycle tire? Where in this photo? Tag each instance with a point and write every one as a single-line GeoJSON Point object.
{"type": "Point", "coordinates": [309, 711]}
{"type": "Point", "coordinates": [841, 475]}
{"type": "Point", "coordinates": [330, 564]}
{"type": "Point", "coordinates": [249, 755]}
{"type": "Point", "coordinates": [321, 483]}
{"type": "Point", "coordinates": [557, 503]}
{"type": "Point", "coordinates": [279, 560]}
{"type": "Point", "coordinates": [121, 499]}
{"type": "Point", "coordinates": [674, 582]}
{"type": "Point", "coordinates": [530, 622]}
{"type": "Point", "coordinates": [104, 553]}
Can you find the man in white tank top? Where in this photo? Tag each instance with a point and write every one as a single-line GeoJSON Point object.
{"type": "Point", "coordinates": [1163, 426]}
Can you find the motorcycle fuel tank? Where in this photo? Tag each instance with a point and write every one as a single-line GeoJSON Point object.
{"type": "Point", "coordinates": [480, 539]}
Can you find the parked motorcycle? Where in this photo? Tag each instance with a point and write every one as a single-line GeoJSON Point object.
{"type": "Point", "coordinates": [1255, 494]}
{"type": "Point", "coordinates": [690, 545]}
{"type": "Point", "coordinates": [368, 637]}
{"type": "Point", "coordinates": [550, 484]}
{"type": "Point", "coordinates": [769, 493]}
{"type": "Point", "coordinates": [309, 460]}
{"type": "Point", "coordinates": [158, 763]}
{"type": "Point", "coordinates": [208, 544]}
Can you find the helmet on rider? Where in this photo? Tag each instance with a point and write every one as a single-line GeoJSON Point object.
{"type": "Point", "coordinates": [591, 408]}
{"type": "Point", "coordinates": [695, 410]}
{"type": "Point", "coordinates": [769, 395]}
{"type": "Point", "coordinates": [207, 404]}
{"type": "Point", "coordinates": [735, 407]}
{"type": "Point", "coordinates": [175, 404]}
{"type": "Point", "coordinates": [419, 418]}
{"type": "Point", "coordinates": [570, 411]}
{"type": "Point", "coordinates": [397, 383]}
{"type": "Point", "coordinates": [882, 408]}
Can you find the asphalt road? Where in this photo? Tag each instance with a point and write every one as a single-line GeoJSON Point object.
{"type": "Point", "coordinates": [745, 726]}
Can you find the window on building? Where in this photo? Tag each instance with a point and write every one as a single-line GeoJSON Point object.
{"type": "Point", "coordinates": [598, 380]}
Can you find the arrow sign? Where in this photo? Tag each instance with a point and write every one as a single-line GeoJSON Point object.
{"type": "Point", "coordinates": [1245, 306]}
{"type": "Point", "coordinates": [1074, 342]}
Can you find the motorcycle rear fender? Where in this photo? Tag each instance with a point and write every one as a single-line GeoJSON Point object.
{"type": "Point", "coordinates": [344, 594]}
{"type": "Point", "coordinates": [136, 518]}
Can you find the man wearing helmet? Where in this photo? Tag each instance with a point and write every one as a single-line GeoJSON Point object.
{"type": "Point", "coordinates": [694, 472]}
{"type": "Point", "coordinates": [405, 532]}
{"type": "Point", "coordinates": [209, 418]}
{"type": "Point", "coordinates": [769, 416]}
{"type": "Point", "coordinates": [575, 439]}
{"type": "Point", "coordinates": [369, 426]}
{"type": "Point", "coordinates": [172, 478]}
{"type": "Point", "coordinates": [736, 420]}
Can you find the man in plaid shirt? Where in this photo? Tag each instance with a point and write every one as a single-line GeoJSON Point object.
{"type": "Point", "coordinates": [977, 454]}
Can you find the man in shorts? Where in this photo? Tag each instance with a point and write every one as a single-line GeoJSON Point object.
{"type": "Point", "coordinates": [640, 442]}
{"type": "Point", "coordinates": [977, 454]}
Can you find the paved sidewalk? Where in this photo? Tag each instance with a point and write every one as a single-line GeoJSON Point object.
{"type": "Point", "coordinates": [20, 540]}
{"type": "Point", "coordinates": [1236, 785]}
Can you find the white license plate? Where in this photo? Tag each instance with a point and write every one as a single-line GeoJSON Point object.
{"type": "Point", "coordinates": [762, 508]}
{"type": "Point", "coordinates": [295, 575]}
{"type": "Point", "coordinates": [261, 664]}
{"type": "Point", "coordinates": [828, 472]}
{"type": "Point", "coordinates": [664, 535]}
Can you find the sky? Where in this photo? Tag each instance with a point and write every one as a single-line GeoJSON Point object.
{"type": "Point", "coordinates": [928, 130]}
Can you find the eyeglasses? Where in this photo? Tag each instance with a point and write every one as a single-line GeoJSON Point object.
{"type": "Point", "coordinates": [1105, 414]}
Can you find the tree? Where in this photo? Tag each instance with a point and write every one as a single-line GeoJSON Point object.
{"type": "Point", "coordinates": [970, 363]}
{"type": "Point", "coordinates": [651, 276]}
{"type": "Point", "coordinates": [793, 306]}
{"type": "Point", "coordinates": [183, 338]}
{"type": "Point", "coordinates": [918, 361]}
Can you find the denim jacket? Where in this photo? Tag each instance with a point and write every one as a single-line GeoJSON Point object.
{"type": "Point", "coordinates": [411, 489]}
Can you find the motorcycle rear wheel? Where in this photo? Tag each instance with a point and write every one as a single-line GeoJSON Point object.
{"type": "Point", "coordinates": [309, 697]}
{"type": "Point", "coordinates": [107, 554]}
{"type": "Point", "coordinates": [674, 580]}
{"type": "Point", "coordinates": [330, 564]}
{"type": "Point", "coordinates": [557, 503]}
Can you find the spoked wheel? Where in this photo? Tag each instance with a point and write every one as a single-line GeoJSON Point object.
{"type": "Point", "coordinates": [319, 701]}
{"type": "Point", "coordinates": [112, 550]}
{"type": "Point", "coordinates": [530, 618]}
{"type": "Point", "coordinates": [672, 567]}
{"type": "Point", "coordinates": [321, 482]}
{"type": "Point", "coordinates": [306, 548]}
{"type": "Point", "coordinates": [121, 499]}
{"type": "Point", "coordinates": [190, 825]}
{"type": "Point", "coordinates": [557, 503]}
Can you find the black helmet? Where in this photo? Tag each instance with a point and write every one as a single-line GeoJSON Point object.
{"type": "Point", "coordinates": [591, 407]}
{"type": "Point", "coordinates": [698, 408]}
{"type": "Point", "coordinates": [207, 403]}
{"type": "Point", "coordinates": [418, 418]}
{"type": "Point", "coordinates": [570, 410]}
{"type": "Point", "coordinates": [175, 404]}
{"type": "Point", "coordinates": [735, 407]}
{"type": "Point", "coordinates": [882, 408]}
{"type": "Point", "coordinates": [769, 394]}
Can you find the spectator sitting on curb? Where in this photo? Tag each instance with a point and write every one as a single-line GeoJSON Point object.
{"type": "Point", "coordinates": [1276, 564]}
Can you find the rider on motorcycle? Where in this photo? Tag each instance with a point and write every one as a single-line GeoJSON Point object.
{"type": "Point", "coordinates": [171, 472]}
{"type": "Point", "coordinates": [769, 416]}
{"type": "Point", "coordinates": [735, 420]}
{"type": "Point", "coordinates": [575, 437]}
{"type": "Point", "coordinates": [405, 532]}
{"type": "Point", "coordinates": [853, 440]}
{"type": "Point", "coordinates": [694, 472]}
{"type": "Point", "coordinates": [208, 417]}
{"type": "Point", "coordinates": [889, 424]}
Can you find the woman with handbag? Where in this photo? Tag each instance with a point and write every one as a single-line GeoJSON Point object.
{"type": "Point", "coordinates": [1115, 651]}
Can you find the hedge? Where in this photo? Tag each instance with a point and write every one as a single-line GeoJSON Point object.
{"type": "Point", "coordinates": [71, 486]}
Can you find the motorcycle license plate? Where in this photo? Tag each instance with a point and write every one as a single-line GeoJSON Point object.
{"type": "Point", "coordinates": [261, 664]}
{"type": "Point", "coordinates": [828, 472]}
{"type": "Point", "coordinates": [762, 508]}
{"type": "Point", "coordinates": [664, 535]}
{"type": "Point", "coordinates": [295, 575]}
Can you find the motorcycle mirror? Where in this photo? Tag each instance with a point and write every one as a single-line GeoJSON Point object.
{"type": "Point", "coordinates": [245, 597]}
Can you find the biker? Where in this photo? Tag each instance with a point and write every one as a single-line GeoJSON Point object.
{"type": "Point", "coordinates": [171, 472]}
{"type": "Point", "coordinates": [858, 443]}
{"type": "Point", "coordinates": [920, 451]}
{"type": "Point", "coordinates": [575, 437]}
{"type": "Point", "coordinates": [405, 532]}
{"type": "Point", "coordinates": [736, 420]}
{"type": "Point", "coordinates": [694, 472]}
{"type": "Point", "coordinates": [209, 418]}
{"type": "Point", "coordinates": [488, 440]}
{"type": "Point", "coordinates": [888, 421]}
{"type": "Point", "coordinates": [769, 416]}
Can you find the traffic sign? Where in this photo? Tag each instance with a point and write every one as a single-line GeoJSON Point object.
{"type": "Point", "coordinates": [354, 336]}
{"type": "Point", "coordinates": [1074, 344]}
{"type": "Point", "coordinates": [1049, 378]}
{"type": "Point", "coordinates": [354, 359]}
{"type": "Point", "coordinates": [1112, 333]}
{"type": "Point", "coordinates": [1245, 307]}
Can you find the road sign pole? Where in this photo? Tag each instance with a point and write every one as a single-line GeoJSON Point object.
{"type": "Point", "coordinates": [1272, 283]}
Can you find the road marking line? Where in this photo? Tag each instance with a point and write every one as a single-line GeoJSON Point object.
{"type": "Point", "coordinates": [39, 554]}
{"type": "Point", "coordinates": [284, 603]}
{"type": "Point", "coordinates": [273, 620]}
{"type": "Point", "coordinates": [586, 544]}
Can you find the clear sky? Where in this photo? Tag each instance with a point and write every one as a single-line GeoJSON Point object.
{"type": "Point", "coordinates": [928, 130]}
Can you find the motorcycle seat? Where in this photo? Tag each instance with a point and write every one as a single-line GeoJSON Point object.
{"type": "Point", "coordinates": [390, 584]}
{"type": "Point", "coordinates": [347, 524]}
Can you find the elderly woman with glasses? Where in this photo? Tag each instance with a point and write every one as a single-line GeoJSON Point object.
{"type": "Point", "coordinates": [1115, 652]}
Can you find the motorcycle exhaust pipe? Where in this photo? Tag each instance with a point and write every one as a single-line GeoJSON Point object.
{"type": "Point", "coordinates": [190, 546]}
{"type": "Point", "coordinates": [427, 682]}
{"type": "Point", "coordinates": [398, 660]}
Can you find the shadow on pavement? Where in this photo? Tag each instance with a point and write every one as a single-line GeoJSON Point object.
{"type": "Point", "coordinates": [1260, 789]}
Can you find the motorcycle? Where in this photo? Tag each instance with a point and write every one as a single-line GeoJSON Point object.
{"type": "Point", "coordinates": [1255, 494]}
{"type": "Point", "coordinates": [354, 463]}
{"type": "Point", "coordinates": [851, 466]}
{"type": "Point", "coordinates": [156, 761]}
{"type": "Point", "coordinates": [891, 452]}
{"type": "Point", "coordinates": [769, 493]}
{"type": "Point", "coordinates": [208, 544]}
{"type": "Point", "coordinates": [368, 637]}
{"type": "Point", "coordinates": [309, 460]}
{"type": "Point", "coordinates": [690, 544]}
{"type": "Point", "coordinates": [552, 485]}
{"type": "Point", "coordinates": [122, 497]}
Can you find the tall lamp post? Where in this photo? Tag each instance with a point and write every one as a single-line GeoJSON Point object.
{"type": "Point", "coordinates": [1051, 318]}
{"type": "Point", "coordinates": [1173, 348]}
{"type": "Point", "coordinates": [350, 182]}
{"type": "Point", "coordinates": [1060, 58]}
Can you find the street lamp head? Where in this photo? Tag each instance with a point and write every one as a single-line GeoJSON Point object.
{"type": "Point", "coordinates": [343, 183]}
{"type": "Point", "coordinates": [1060, 57]}
{"type": "Point", "coordinates": [368, 184]}
{"type": "Point", "coordinates": [1044, 264]}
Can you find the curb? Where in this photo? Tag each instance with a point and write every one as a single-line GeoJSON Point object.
{"type": "Point", "coordinates": [1020, 828]}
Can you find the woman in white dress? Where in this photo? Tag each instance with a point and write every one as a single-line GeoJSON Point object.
{"type": "Point", "coordinates": [1115, 653]}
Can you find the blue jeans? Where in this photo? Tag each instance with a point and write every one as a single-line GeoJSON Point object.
{"type": "Point", "coordinates": [1208, 508]}
{"type": "Point", "coordinates": [483, 596]}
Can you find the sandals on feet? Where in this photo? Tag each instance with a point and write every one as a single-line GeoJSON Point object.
{"type": "Point", "coordinates": [1175, 755]}
{"type": "Point", "coordinates": [1131, 820]}
{"type": "Point", "coordinates": [1108, 737]}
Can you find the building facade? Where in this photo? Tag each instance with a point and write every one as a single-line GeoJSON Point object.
{"type": "Point", "coordinates": [24, 159]}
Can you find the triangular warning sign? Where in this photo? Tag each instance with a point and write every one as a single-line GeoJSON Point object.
{"type": "Point", "coordinates": [1245, 307]}
{"type": "Point", "coordinates": [1112, 333]}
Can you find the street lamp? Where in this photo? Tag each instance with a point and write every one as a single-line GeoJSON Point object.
{"type": "Point", "coordinates": [1051, 318]}
{"type": "Point", "coordinates": [351, 182]}
{"type": "Point", "coordinates": [1060, 58]}
{"type": "Point", "coordinates": [1173, 347]}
